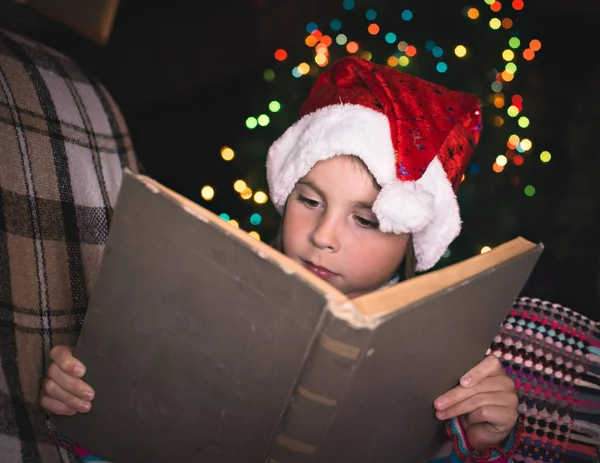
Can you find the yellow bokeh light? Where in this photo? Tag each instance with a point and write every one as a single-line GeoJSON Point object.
{"type": "Point", "coordinates": [260, 197]}
{"type": "Point", "coordinates": [239, 186]}
{"type": "Point", "coordinates": [246, 193]}
{"type": "Point", "coordinates": [227, 153]}
{"type": "Point", "coordinates": [207, 192]}
{"type": "Point", "coordinates": [499, 102]}
{"type": "Point", "coordinates": [321, 59]}
{"type": "Point", "coordinates": [403, 61]}
{"type": "Point", "coordinates": [235, 223]}
{"type": "Point", "coordinates": [485, 249]}
{"type": "Point", "coordinates": [512, 111]}
{"type": "Point", "coordinates": [501, 160]}
{"type": "Point", "coordinates": [495, 23]}
{"type": "Point", "coordinates": [392, 61]}
{"type": "Point", "coordinates": [545, 156]}
{"type": "Point", "coordinates": [460, 51]}
{"type": "Point", "coordinates": [508, 55]}
{"type": "Point", "coordinates": [304, 68]}
{"type": "Point", "coordinates": [255, 235]}
{"type": "Point", "coordinates": [526, 144]}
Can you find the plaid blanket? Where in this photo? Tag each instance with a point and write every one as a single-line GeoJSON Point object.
{"type": "Point", "coordinates": [63, 146]}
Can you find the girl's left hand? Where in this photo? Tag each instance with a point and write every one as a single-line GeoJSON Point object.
{"type": "Point", "coordinates": [486, 403]}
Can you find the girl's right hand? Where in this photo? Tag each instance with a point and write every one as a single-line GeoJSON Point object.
{"type": "Point", "coordinates": [63, 391]}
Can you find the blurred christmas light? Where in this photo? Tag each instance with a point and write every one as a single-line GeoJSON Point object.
{"type": "Point", "coordinates": [410, 51]}
{"type": "Point", "coordinates": [341, 39]}
{"type": "Point", "coordinates": [348, 4]}
{"type": "Point", "coordinates": [495, 23]}
{"type": "Point", "coordinates": [246, 193]}
{"type": "Point", "coordinates": [373, 29]}
{"type": "Point", "coordinates": [437, 52]}
{"type": "Point", "coordinates": [518, 4]}
{"type": "Point", "coordinates": [529, 190]}
{"type": "Point", "coordinates": [508, 55]}
{"type": "Point", "coordinates": [225, 216]}
{"type": "Point", "coordinates": [441, 67]}
{"type": "Point", "coordinates": [335, 25]}
{"type": "Point", "coordinates": [518, 160]}
{"type": "Point", "coordinates": [371, 15]}
{"type": "Point", "coordinates": [501, 160]}
{"type": "Point", "coordinates": [512, 111]}
{"type": "Point", "coordinates": [251, 122]}
{"type": "Point", "coordinates": [507, 23]}
{"type": "Point", "coordinates": [274, 106]}
{"type": "Point", "coordinates": [496, 6]}
{"type": "Point", "coordinates": [311, 27]}
{"type": "Point", "coordinates": [255, 235]}
{"type": "Point", "coordinates": [239, 186]}
{"type": "Point", "coordinates": [260, 197]}
{"type": "Point", "coordinates": [255, 219]}
{"type": "Point", "coordinates": [460, 51]}
{"type": "Point", "coordinates": [407, 15]}
{"type": "Point", "coordinates": [528, 54]}
{"type": "Point", "coordinates": [403, 61]}
{"type": "Point", "coordinates": [269, 75]}
{"type": "Point", "coordinates": [227, 153]}
{"type": "Point", "coordinates": [234, 223]}
{"type": "Point", "coordinates": [496, 86]}
{"type": "Point", "coordinates": [523, 122]}
{"type": "Point", "coordinates": [545, 156]}
{"type": "Point", "coordinates": [311, 41]}
{"type": "Point", "coordinates": [535, 45]}
{"type": "Point", "coordinates": [390, 37]}
{"type": "Point", "coordinates": [280, 55]}
{"type": "Point", "coordinates": [514, 42]}
{"type": "Point", "coordinates": [207, 192]}
{"type": "Point", "coordinates": [263, 120]}
{"type": "Point", "coordinates": [352, 47]}
{"type": "Point", "coordinates": [485, 249]}
{"type": "Point", "coordinates": [473, 13]}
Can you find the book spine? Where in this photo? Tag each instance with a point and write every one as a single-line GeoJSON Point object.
{"type": "Point", "coordinates": [311, 410]}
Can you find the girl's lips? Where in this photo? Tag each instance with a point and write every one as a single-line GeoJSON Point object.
{"type": "Point", "coordinates": [321, 272]}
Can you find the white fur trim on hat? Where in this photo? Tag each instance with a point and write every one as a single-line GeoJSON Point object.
{"type": "Point", "coordinates": [427, 208]}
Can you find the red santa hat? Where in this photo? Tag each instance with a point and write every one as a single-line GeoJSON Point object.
{"type": "Point", "coordinates": [415, 137]}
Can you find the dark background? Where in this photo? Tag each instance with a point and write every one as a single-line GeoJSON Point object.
{"type": "Point", "coordinates": [187, 74]}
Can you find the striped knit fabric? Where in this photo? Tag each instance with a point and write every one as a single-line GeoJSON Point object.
{"type": "Point", "coordinates": [553, 355]}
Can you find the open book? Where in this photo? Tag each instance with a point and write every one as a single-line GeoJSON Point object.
{"type": "Point", "coordinates": [206, 345]}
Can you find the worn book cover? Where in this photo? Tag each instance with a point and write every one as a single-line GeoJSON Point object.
{"type": "Point", "coordinates": [206, 345]}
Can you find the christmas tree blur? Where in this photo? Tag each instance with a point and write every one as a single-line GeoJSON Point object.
{"type": "Point", "coordinates": [482, 48]}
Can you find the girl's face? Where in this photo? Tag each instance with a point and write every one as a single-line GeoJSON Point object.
{"type": "Point", "coordinates": [329, 227]}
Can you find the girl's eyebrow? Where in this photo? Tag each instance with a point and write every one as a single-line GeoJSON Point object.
{"type": "Point", "coordinates": [309, 184]}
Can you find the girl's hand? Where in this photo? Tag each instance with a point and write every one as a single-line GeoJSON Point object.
{"type": "Point", "coordinates": [485, 402]}
{"type": "Point", "coordinates": [63, 391]}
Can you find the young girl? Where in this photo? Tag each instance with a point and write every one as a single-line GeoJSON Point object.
{"type": "Point", "coordinates": [365, 182]}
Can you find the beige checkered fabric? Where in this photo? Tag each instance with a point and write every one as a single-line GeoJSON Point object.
{"type": "Point", "coordinates": [63, 147]}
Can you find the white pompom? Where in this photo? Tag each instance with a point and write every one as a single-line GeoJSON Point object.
{"type": "Point", "coordinates": [404, 207]}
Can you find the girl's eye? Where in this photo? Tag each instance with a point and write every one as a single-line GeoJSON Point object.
{"type": "Point", "coordinates": [308, 202]}
{"type": "Point", "coordinates": [366, 223]}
